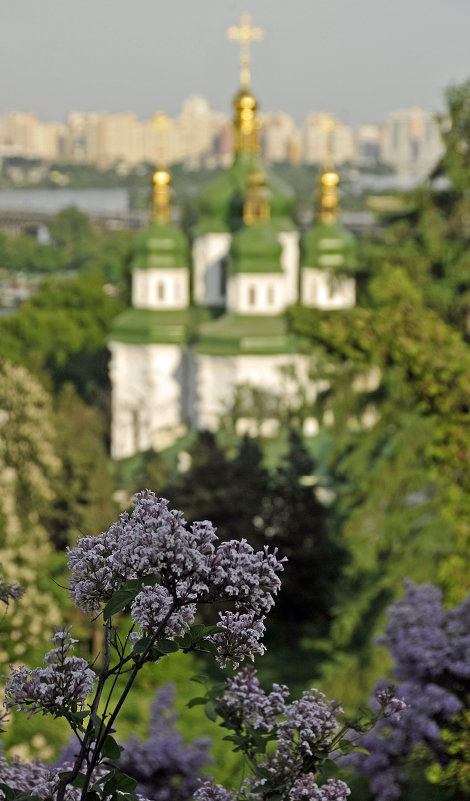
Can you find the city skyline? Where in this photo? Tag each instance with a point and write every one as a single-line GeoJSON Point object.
{"type": "Point", "coordinates": [358, 61]}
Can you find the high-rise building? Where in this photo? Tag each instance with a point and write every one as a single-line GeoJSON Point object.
{"type": "Point", "coordinates": [412, 142]}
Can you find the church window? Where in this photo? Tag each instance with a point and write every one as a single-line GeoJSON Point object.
{"type": "Point", "coordinates": [251, 295]}
{"type": "Point", "coordinates": [270, 295]}
{"type": "Point", "coordinates": [161, 290]}
{"type": "Point", "coordinates": [223, 275]}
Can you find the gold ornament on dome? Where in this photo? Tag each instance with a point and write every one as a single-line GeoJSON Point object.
{"type": "Point", "coordinates": [256, 208]}
{"type": "Point", "coordinates": [246, 123]}
{"type": "Point", "coordinates": [328, 197]}
{"type": "Point", "coordinates": [245, 34]}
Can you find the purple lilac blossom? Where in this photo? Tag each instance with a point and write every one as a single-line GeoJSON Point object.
{"type": "Point", "coordinates": [65, 682]}
{"type": "Point", "coordinates": [151, 606]}
{"type": "Point", "coordinates": [208, 791]}
{"type": "Point", "coordinates": [33, 777]}
{"type": "Point", "coordinates": [165, 767]}
{"type": "Point", "coordinates": [239, 639]}
{"type": "Point", "coordinates": [245, 699]}
{"type": "Point", "coordinates": [305, 789]}
{"type": "Point", "coordinates": [431, 649]}
{"type": "Point", "coordinates": [155, 540]}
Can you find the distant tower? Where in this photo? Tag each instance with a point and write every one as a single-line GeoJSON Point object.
{"type": "Point", "coordinates": [221, 201]}
{"type": "Point", "coordinates": [328, 252]}
{"type": "Point", "coordinates": [147, 341]}
{"type": "Point", "coordinates": [249, 345]}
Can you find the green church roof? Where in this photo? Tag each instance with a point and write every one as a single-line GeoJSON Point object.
{"type": "Point", "coordinates": [234, 334]}
{"type": "Point", "coordinates": [161, 246]}
{"type": "Point", "coordinates": [329, 246]}
{"type": "Point", "coordinates": [146, 326]}
{"type": "Point", "coordinates": [221, 200]}
{"type": "Point", "coordinates": [255, 249]}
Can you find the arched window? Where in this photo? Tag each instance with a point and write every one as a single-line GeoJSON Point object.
{"type": "Point", "coordinates": [161, 290]}
{"type": "Point", "coordinates": [223, 275]}
{"type": "Point", "coordinates": [251, 295]}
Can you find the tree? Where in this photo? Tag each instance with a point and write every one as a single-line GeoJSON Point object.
{"type": "Point", "coordinates": [62, 330]}
{"type": "Point", "coordinates": [299, 525]}
{"type": "Point", "coordinates": [29, 466]}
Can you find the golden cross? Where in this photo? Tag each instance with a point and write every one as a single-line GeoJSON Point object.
{"type": "Point", "coordinates": [245, 34]}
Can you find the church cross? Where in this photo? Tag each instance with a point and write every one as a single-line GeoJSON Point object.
{"type": "Point", "coordinates": [245, 34]}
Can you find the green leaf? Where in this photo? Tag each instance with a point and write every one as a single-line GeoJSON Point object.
{"type": "Point", "coordinates": [211, 711]}
{"type": "Point", "coordinates": [362, 750]}
{"type": "Point", "coordinates": [8, 792]}
{"type": "Point", "coordinates": [125, 783]}
{"type": "Point", "coordinates": [119, 601]}
{"type": "Point", "coordinates": [196, 701]}
{"type": "Point", "coordinates": [151, 581]}
{"type": "Point", "coordinates": [208, 630]}
{"type": "Point", "coordinates": [199, 678]}
{"type": "Point", "coordinates": [141, 645]}
{"type": "Point", "coordinates": [196, 631]}
{"type": "Point", "coordinates": [79, 780]}
{"type": "Point", "coordinates": [92, 795]}
{"type": "Point", "coordinates": [111, 749]}
{"type": "Point", "coordinates": [97, 723]}
{"type": "Point", "coordinates": [166, 647]}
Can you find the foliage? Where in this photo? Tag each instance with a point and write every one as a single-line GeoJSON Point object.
{"type": "Point", "coordinates": [62, 329]}
{"type": "Point", "coordinates": [245, 499]}
{"type": "Point", "coordinates": [84, 487]}
{"type": "Point", "coordinates": [28, 469]}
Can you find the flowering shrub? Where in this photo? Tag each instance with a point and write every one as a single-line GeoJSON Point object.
{"type": "Point", "coordinates": [431, 649]}
{"type": "Point", "coordinates": [153, 565]}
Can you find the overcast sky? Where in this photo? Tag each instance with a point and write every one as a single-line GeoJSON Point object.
{"type": "Point", "coordinates": [356, 58]}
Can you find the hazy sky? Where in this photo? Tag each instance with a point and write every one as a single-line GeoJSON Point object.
{"type": "Point", "coordinates": [356, 58]}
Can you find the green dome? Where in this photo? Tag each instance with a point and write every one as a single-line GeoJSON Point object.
{"type": "Point", "coordinates": [161, 246]}
{"type": "Point", "coordinates": [255, 249]}
{"type": "Point", "coordinates": [221, 200]}
{"type": "Point", "coordinates": [329, 246]}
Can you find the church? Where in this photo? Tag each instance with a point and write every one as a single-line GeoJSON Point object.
{"type": "Point", "coordinates": [207, 316]}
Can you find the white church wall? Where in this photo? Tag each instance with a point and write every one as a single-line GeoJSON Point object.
{"type": "Point", "coordinates": [209, 251]}
{"type": "Point", "coordinates": [284, 377]}
{"type": "Point", "coordinates": [255, 293]}
{"type": "Point", "coordinates": [160, 289]}
{"type": "Point", "coordinates": [326, 290]}
{"type": "Point", "coordinates": [147, 397]}
{"type": "Point", "coordinates": [290, 264]}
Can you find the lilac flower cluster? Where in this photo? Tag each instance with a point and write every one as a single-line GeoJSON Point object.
{"type": "Point", "coordinates": [245, 699]}
{"type": "Point", "coordinates": [155, 540]}
{"type": "Point", "coordinates": [305, 789]}
{"type": "Point", "coordinates": [240, 637]}
{"type": "Point", "coordinates": [300, 730]}
{"type": "Point", "coordinates": [65, 682]}
{"type": "Point", "coordinates": [431, 648]}
{"type": "Point", "coordinates": [33, 777]}
{"type": "Point", "coordinates": [165, 768]}
{"type": "Point", "coordinates": [153, 604]}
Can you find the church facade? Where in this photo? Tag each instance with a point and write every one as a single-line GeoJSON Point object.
{"type": "Point", "coordinates": [207, 318]}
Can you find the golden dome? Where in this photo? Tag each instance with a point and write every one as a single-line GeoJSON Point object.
{"type": "Point", "coordinates": [161, 195]}
{"type": "Point", "coordinates": [245, 122]}
{"type": "Point", "coordinates": [330, 179]}
{"type": "Point", "coordinates": [161, 178]}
